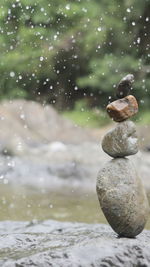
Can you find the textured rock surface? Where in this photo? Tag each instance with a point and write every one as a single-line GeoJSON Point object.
{"type": "Point", "coordinates": [122, 197]}
{"type": "Point", "coordinates": [53, 243]}
{"type": "Point", "coordinates": [121, 141]}
{"type": "Point", "coordinates": [123, 108]}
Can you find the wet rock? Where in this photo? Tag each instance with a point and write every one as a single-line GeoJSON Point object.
{"type": "Point", "coordinates": [125, 86]}
{"type": "Point", "coordinates": [121, 141]}
{"type": "Point", "coordinates": [77, 244]}
{"type": "Point", "coordinates": [122, 197]}
{"type": "Point", "coordinates": [123, 108]}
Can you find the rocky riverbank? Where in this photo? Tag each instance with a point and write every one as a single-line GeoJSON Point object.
{"type": "Point", "coordinates": [57, 164]}
{"type": "Point", "coordinates": [52, 243]}
{"type": "Point", "coordinates": [39, 148]}
{"type": "Point", "coordinates": [40, 153]}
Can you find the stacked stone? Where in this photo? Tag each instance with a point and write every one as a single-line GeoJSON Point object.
{"type": "Point", "coordinates": [120, 191]}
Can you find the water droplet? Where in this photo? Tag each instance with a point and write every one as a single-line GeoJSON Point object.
{"type": "Point", "coordinates": [12, 74]}
{"type": "Point", "coordinates": [99, 29]}
{"type": "Point", "coordinates": [41, 58]}
{"type": "Point", "coordinates": [128, 10]}
{"type": "Point", "coordinates": [138, 40]}
{"type": "Point", "coordinates": [67, 7]}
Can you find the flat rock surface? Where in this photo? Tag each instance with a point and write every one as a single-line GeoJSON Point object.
{"type": "Point", "coordinates": [52, 243]}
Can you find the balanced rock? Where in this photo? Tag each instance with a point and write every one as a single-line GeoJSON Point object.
{"type": "Point", "coordinates": [122, 197]}
{"type": "Point", "coordinates": [123, 108]}
{"type": "Point", "coordinates": [121, 141]}
{"type": "Point", "coordinates": [125, 86]}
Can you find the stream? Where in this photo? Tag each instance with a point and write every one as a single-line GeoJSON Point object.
{"type": "Point", "coordinates": [27, 204]}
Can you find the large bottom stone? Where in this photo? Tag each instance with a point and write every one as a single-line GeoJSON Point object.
{"type": "Point", "coordinates": [122, 197]}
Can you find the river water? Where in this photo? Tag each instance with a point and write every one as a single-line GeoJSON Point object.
{"type": "Point", "coordinates": [26, 204]}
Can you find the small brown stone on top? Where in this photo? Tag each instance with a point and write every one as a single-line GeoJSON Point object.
{"type": "Point", "coordinates": [123, 108]}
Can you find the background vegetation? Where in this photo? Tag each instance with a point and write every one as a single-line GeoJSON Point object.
{"type": "Point", "coordinates": [64, 51]}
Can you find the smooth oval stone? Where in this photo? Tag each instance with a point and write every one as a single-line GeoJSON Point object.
{"type": "Point", "coordinates": [121, 141]}
{"type": "Point", "coordinates": [122, 197]}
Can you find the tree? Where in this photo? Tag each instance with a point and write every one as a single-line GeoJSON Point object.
{"type": "Point", "coordinates": [59, 52]}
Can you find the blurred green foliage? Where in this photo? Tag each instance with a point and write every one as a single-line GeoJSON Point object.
{"type": "Point", "coordinates": [61, 51]}
{"type": "Point", "coordinates": [143, 118]}
{"type": "Point", "coordinates": [83, 116]}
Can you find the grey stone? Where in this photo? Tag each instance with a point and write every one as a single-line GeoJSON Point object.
{"type": "Point", "coordinates": [124, 86]}
{"type": "Point", "coordinates": [52, 243]}
{"type": "Point", "coordinates": [121, 141]}
{"type": "Point", "coordinates": [122, 197]}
